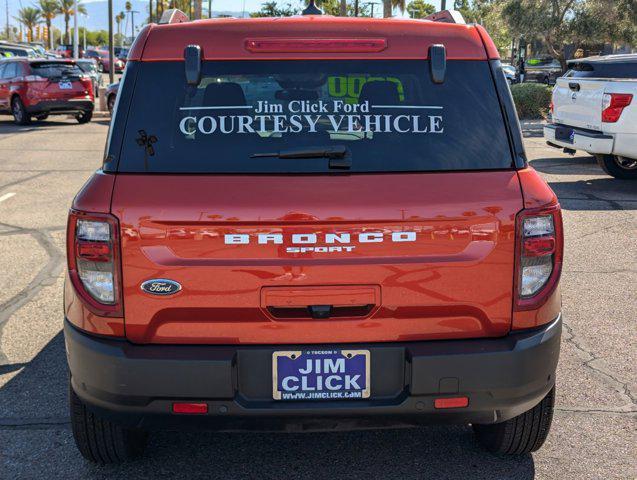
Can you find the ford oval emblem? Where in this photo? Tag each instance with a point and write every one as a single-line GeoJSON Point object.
{"type": "Point", "coordinates": [161, 286]}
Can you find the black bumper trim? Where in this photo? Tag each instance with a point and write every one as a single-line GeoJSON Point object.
{"type": "Point", "coordinates": [580, 131]}
{"type": "Point", "coordinates": [61, 107]}
{"type": "Point", "coordinates": [136, 384]}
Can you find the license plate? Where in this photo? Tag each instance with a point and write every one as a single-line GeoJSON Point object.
{"type": "Point", "coordinates": [65, 85]}
{"type": "Point", "coordinates": [564, 134]}
{"type": "Point", "coordinates": [320, 375]}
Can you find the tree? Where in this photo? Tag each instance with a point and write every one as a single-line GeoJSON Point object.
{"type": "Point", "coordinates": [29, 17]}
{"type": "Point", "coordinates": [420, 9]}
{"type": "Point", "coordinates": [271, 9]}
{"type": "Point", "coordinates": [559, 23]}
{"type": "Point", "coordinates": [119, 18]}
{"type": "Point", "coordinates": [67, 8]}
{"type": "Point", "coordinates": [48, 11]}
{"type": "Point", "coordinates": [389, 5]}
{"type": "Point", "coordinates": [128, 6]}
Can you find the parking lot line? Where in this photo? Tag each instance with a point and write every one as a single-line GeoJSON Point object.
{"type": "Point", "coordinates": [6, 196]}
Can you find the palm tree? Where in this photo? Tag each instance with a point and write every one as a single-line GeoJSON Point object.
{"type": "Point", "coordinates": [119, 18]}
{"type": "Point", "coordinates": [343, 9]}
{"type": "Point", "coordinates": [389, 5]}
{"type": "Point", "coordinates": [128, 6]}
{"type": "Point", "coordinates": [66, 8]}
{"type": "Point", "coordinates": [29, 17]}
{"type": "Point", "coordinates": [48, 10]}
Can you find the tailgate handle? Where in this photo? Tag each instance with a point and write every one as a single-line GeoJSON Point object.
{"type": "Point", "coordinates": [574, 86]}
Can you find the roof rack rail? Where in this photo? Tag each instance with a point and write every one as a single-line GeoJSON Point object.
{"type": "Point", "coordinates": [446, 16]}
{"type": "Point", "coordinates": [173, 15]}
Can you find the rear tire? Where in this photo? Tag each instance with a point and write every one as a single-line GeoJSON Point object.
{"type": "Point", "coordinates": [84, 117]}
{"type": "Point", "coordinates": [520, 435]}
{"type": "Point", "coordinates": [101, 441]}
{"type": "Point", "coordinates": [19, 112]}
{"type": "Point", "coordinates": [619, 167]}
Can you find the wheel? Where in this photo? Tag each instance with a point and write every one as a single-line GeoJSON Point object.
{"type": "Point", "coordinates": [101, 441]}
{"type": "Point", "coordinates": [618, 167]}
{"type": "Point", "coordinates": [522, 434]}
{"type": "Point", "coordinates": [110, 103]}
{"type": "Point", "coordinates": [20, 115]}
{"type": "Point", "coordinates": [84, 117]}
{"type": "Point", "coordinates": [41, 117]}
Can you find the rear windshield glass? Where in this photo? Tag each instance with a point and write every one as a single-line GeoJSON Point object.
{"type": "Point", "coordinates": [55, 70]}
{"type": "Point", "coordinates": [256, 116]}
{"type": "Point", "coordinates": [603, 70]}
{"type": "Point", "coordinates": [88, 67]}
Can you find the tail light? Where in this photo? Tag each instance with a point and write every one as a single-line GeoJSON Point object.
{"type": "Point", "coordinates": [539, 255]}
{"type": "Point", "coordinates": [613, 105]}
{"type": "Point", "coordinates": [93, 261]}
{"type": "Point", "coordinates": [87, 83]}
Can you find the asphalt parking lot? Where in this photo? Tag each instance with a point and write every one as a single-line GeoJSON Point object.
{"type": "Point", "coordinates": [594, 432]}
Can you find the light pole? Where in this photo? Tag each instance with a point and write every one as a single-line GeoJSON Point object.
{"type": "Point", "coordinates": [76, 39]}
{"type": "Point", "coordinates": [85, 17]}
{"type": "Point", "coordinates": [111, 47]}
{"type": "Point", "coordinates": [132, 16]}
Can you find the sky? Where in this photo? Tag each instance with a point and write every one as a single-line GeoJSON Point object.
{"type": "Point", "coordinates": [101, 23]}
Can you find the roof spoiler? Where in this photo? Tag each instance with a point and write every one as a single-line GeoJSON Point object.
{"type": "Point", "coordinates": [446, 16]}
{"type": "Point", "coordinates": [173, 15]}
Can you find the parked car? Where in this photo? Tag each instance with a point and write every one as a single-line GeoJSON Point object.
{"type": "Point", "coordinates": [111, 96]}
{"type": "Point", "coordinates": [31, 88]}
{"type": "Point", "coordinates": [66, 51]}
{"type": "Point", "coordinates": [542, 70]}
{"type": "Point", "coordinates": [103, 61]}
{"type": "Point", "coordinates": [510, 73]}
{"type": "Point", "coordinates": [89, 67]}
{"type": "Point", "coordinates": [295, 225]}
{"type": "Point", "coordinates": [594, 109]}
{"type": "Point", "coordinates": [17, 50]}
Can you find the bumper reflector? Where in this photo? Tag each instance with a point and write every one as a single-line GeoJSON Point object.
{"type": "Point", "coordinates": [453, 402]}
{"type": "Point", "coordinates": [190, 408]}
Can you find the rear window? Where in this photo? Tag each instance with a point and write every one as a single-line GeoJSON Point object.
{"type": "Point", "coordinates": [388, 116]}
{"type": "Point", "coordinates": [603, 70]}
{"type": "Point", "coordinates": [53, 70]}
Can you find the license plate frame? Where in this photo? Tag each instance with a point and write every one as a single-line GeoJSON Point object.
{"type": "Point", "coordinates": [353, 362]}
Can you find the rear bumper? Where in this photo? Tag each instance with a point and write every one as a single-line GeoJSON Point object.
{"type": "Point", "coordinates": [61, 106]}
{"type": "Point", "coordinates": [587, 140]}
{"type": "Point", "coordinates": [137, 384]}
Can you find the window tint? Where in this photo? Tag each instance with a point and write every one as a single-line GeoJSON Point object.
{"type": "Point", "coordinates": [387, 116]}
{"type": "Point", "coordinates": [11, 70]}
{"type": "Point", "coordinates": [606, 69]}
{"type": "Point", "coordinates": [55, 70]}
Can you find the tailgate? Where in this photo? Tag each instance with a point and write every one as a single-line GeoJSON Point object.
{"type": "Point", "coordinates": [577, 102]}
{"type": "Point", "coordinates": [318, 258]}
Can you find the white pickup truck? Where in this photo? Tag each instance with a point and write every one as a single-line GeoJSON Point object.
{"type": "Point", "coordinates": [594, 109]}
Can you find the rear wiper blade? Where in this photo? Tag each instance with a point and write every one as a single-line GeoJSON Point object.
{"type": "Point", "coordinates": [336, 154]}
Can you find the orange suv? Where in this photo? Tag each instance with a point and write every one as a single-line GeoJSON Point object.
{"type": "Point", "coordinates": [312, 218]}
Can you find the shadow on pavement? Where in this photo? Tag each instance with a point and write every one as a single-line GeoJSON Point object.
{"type": "Point", "coordinates": [39, 392]}
{"type": "Point", "coordinates": [584, 165]}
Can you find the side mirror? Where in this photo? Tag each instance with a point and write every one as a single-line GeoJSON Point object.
{"type": "Point", "coordinates": [192, 64]}
{"type": "Point", "coordinates": [437, 63]}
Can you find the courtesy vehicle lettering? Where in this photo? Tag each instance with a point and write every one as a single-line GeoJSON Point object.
{"type": "Point", "coordinates": [310, 117]}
